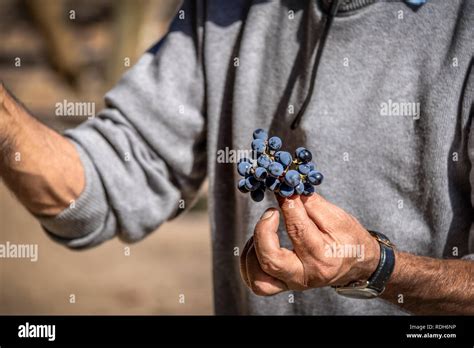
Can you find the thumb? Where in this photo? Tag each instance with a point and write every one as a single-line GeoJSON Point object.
{"type": "Point", "coordinates": [276, 261]}
{"type": "Point", "coordinates": [266, 232]}
{"type": "Point", "coordinates": [267, 242]}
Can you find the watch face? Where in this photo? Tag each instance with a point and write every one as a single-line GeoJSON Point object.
{"type": "Point", "coordinates": [357, 293]}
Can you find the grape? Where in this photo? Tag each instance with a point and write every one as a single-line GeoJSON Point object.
{"type": "Point", "coordinates": [274, 143]}
{"type": "Point", "coordinates": [258, 145]}
{"type": "Point", "coordinates": [241, 186]}
{"type": "Point", "coordinates": [308, 189]}
{"type": "Point", "coordinates": [260, 134]}
{"type": "Point", "coordinates": [251, 183]}
{"type": "Point", "coordinates": [257, 195]}
{"type": "Point", "coordinates": [304, 168]}
{"type": "Point", "coordinates": [272, 183]}
{"type": "Point", "coordinates": [260, 173]}
{"type": "Point", "coordinates": [320, 178]}
{"type": "Point", "coordinates": [284, 158]}
{"type": "Point", "coordinates": [292, 178]}
{"type": "Point", "coordinates": [264, 161]}
{"type": "Point", "coordinates": [297, 151]}
{"type": "Point", "coordinates": [299, 189]}
{"type": "Point", "coordinates": [275, 169]}
{"type": "Point", "coordinates": [285, 190]}
{"type": "Point", "coordinates": [244, 168]}
{"type": "Point", "coordinates": [304, 156]}
{"type": "Point", "coordinates": [315, 178]}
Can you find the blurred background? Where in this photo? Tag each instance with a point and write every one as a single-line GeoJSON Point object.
{"type": "Point", "coordinates": [75, 50]}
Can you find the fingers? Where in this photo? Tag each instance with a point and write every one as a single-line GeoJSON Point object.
{"type": "Point", "coordinates": [254, 277]}
{"type": "Point", "coordinates": [260, 282]}
{"type": "Point", "coordinates": [243, 261]}
{"type": "Point", "coordinates": [322, 212]}
{"type": "Point", "coordinates": [302, 231]}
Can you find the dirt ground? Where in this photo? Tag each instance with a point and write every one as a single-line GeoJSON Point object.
{"type": "Point", "coordinates": [173, 261]}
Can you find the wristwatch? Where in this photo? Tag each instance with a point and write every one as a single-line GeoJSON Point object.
{"type": "Point", "coordinates": [375, 285]}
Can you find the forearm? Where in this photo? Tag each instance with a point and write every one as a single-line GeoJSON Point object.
{"type": "Point", "coordinates": [425, 285]}
{"type": "Point", "coordinates": [41, 167]}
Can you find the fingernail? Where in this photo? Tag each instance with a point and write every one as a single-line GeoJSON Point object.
{"type": "Point", "coordinates": [267, 214]}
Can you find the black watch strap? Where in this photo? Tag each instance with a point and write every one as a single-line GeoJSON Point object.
{"type": "Point", "coordinates": [380, 277]}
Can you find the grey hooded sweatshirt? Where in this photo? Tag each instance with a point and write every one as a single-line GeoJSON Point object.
{"type": "Point", "coordinates": [386, 94]}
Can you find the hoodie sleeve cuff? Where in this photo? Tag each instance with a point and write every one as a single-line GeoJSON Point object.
{"type": "Point", "coordinates": [87, 214]}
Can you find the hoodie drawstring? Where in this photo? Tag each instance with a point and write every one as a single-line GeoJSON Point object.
{"type": "Point", "coordinates": [327, 25]}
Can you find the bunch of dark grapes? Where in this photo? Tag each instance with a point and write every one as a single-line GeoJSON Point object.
{"type": "Point", "coordinates": [277, 170]}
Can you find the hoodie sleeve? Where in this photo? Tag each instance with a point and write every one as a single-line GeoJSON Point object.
{"type": "Point", "coordinates": [144, 155]}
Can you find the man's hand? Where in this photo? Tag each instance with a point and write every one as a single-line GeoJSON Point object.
{"type": "Point", "coordinates": [41, 167]}
{"type": "Point", "coordinates": [320, 233]}
{"type": "Point", "coordinates": [4, 113]}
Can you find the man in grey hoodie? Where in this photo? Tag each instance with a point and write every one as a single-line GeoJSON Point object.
{"type": "Point", "coordinates": [382, 92]}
